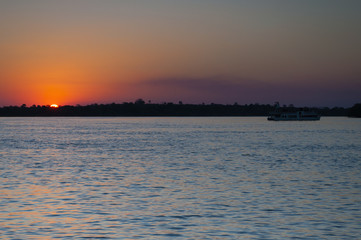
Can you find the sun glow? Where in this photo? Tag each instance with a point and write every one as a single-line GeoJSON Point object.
{"type": "Point", "coordinates": [54, 105]}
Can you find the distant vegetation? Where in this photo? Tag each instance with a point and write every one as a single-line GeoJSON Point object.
{"type": "Point", "coordinates": [140, 108]}
{"type": "Point", "coordinates": [355, 111]}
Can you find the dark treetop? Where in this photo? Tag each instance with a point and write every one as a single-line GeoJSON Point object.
{"type": "Point", "coordinates": [140, 108]}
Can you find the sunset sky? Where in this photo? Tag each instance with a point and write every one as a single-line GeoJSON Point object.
{"type": "Point", "coordinates": [307, 52]}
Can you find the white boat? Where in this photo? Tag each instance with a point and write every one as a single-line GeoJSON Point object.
{"type": "Point", "coordinates": [294, 116]}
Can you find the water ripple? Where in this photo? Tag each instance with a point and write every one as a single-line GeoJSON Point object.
{"type": "Point", "coordinates": [182, 178]}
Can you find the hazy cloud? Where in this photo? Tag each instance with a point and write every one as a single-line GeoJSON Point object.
{"type": "Point", "coordinates": [245, 91]}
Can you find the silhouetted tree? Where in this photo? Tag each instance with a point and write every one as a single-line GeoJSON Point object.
{"type": "Point", "coordinates": [355, 110]}
{"type": "Point", "coordinates": [139, 101]}
{"type": "Point", "coordinates": [139, 108]}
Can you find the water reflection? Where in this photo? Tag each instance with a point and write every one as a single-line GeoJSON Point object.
{"type": "Point", "coordinates": [185, 178]}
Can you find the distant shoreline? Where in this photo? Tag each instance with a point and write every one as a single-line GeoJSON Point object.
{"type": "Point", "coordinates": [141, 109]}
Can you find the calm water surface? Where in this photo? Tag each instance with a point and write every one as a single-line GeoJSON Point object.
{"type": "Point", "coordinates": [179, 178]}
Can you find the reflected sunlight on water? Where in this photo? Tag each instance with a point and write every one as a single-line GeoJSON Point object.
{"type": "Point", "coordinates": [185, 178]}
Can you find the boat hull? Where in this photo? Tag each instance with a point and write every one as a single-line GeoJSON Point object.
{"type": "Point", "coordinates": [285, 119]}
{"type": "Point", "coordinates": [294, 116]}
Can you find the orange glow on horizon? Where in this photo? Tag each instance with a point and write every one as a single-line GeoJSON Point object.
{"type": "Point", "coordinates": [54, 105]}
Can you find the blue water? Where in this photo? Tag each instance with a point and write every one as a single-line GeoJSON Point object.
{"type": "Point", "coordinates": [179, 178]}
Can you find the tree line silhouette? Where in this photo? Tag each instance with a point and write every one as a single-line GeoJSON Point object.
{"type": "Point", "coordinates": [141, 108]}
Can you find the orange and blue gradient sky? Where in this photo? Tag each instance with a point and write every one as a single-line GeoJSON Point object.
{"type": "Point", "coordinates": [307, 53]}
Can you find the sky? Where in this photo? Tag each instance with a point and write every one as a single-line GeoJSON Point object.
{"type": "Point", "coordinates": [306, 53]}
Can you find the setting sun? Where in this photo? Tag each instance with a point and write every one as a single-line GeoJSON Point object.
{"type": "Point", "coordinates": [54, 105]}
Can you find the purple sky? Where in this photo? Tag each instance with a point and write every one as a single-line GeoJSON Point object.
{"type": "Point", "coordinates": [86, 51]}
